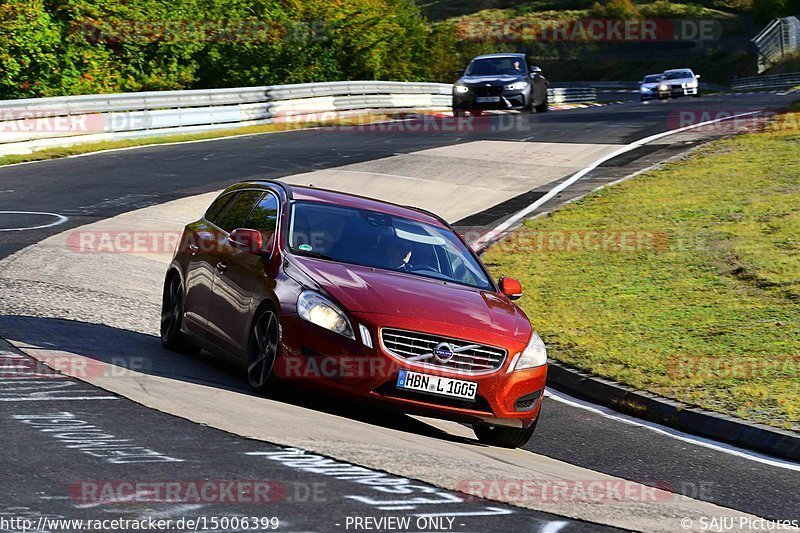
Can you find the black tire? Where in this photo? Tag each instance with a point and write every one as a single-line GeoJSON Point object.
{"type": "Point", "coordinates": [544, 107]}
{"type": "Point", "coordinates": [504, 437]}
{"type": "Point", "coordinates": [476, 113]}
{"type": "Point", "coordinates": [172, 317]}
{"type": "Point", "coordinates": [263, 346]}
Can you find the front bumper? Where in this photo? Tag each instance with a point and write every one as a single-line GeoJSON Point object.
{"type": "Point", "coordinates": [505, 100]}
{"type": "Point", "coordinates": [320, 358]}
{"type": "Point", "coordinates": [676, 91]}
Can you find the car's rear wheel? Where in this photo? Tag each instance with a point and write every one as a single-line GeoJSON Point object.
{"type": "Point", "coordinates": [172, 317]}
{"type": "Point", "coordinates": [262, 350]}
{"type": "Point", "coordinates": [504, 437]}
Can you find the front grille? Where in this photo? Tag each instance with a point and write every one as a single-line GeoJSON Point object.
{"type": "Point", "coordinates": [494, 90]}
{"type": "Point", "coordinates": [468, 357]}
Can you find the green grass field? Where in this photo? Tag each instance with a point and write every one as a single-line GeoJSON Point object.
{"type": "Point", "coordinates": [704, 306]}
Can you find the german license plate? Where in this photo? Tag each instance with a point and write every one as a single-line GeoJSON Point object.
{"type": "Point", "coordinates": [487, 99]}
{"type": "Point", "coordinates": [439, 385]}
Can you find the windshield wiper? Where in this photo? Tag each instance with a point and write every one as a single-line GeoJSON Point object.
{"type": "Point", "coordinates": [315, 255]}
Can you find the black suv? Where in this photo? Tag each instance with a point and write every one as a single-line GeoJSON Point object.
{"type": "Point", "coordinates": [499, 81]}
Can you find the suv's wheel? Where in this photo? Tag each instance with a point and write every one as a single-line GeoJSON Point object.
{"type": "Point", "coordinates": [504, 437]}
{"type": "Point", "coordinates": [262, 350]}
{"type": "Point", "coordinates": [172, 317]}
{"type": "Point", "coordinates": [543, 107]}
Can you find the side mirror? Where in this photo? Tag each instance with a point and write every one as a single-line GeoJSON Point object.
{"type": "Point", "coordinates": [459, 72]}
{"type": "Point", "coordinates": [247, 240]}
{"type": "Point", "coordinates": [511, 288]}
{"type": "Point", "coordinates": [640, 82]}
{"type": "Point", "coordinates": [697, 76]}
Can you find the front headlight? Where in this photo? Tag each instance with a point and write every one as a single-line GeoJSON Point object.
{"type": "Point", "coordinates": [663, 87]}
{"type": "Point", "coordinates": [462, 89]}
{"type": "Point", "coordinates": [646, 89]}
{"type": "Point", "coordinates": [317, 309]}
{"type": "Point", "coordinates": [518, 86]}
{"type": "Point", "coordinates": [692, 84]}
{"type": "Point", "coordinates": [534, 355]}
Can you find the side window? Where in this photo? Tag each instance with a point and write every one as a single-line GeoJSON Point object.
{"type": "Point", "coordinates": [236, 213]}
{"type": "Point", "coordinates": [264, 216]}
{"type": "Point", "coordinates": [216, 208]}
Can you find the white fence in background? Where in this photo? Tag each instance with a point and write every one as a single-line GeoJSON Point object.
{"type": "Point", "coordinates": [33, 124]}
{"type": "Point", "coordinates": [778, 38]}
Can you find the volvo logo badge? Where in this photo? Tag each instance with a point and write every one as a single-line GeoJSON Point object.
{"type": "Point", "coordinates": [443, 352]}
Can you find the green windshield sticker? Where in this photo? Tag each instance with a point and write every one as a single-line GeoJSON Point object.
{"type": "Point", "coordinates": [305, 247]}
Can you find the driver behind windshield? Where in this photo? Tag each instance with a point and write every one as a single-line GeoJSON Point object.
{"type": "Point", "coordinates": [398, 253]}
{"type": "Point", "coordinates": [486, 67]}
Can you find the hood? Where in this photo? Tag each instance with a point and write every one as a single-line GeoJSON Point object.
{"type": "Point", "coordinates": [374, 291]}
{"type": "Point", "coordinates": [500, 79]}
{"type": "Point", "coordinates": [651, 85]}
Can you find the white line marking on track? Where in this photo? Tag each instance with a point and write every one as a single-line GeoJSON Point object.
{"type": "Point", "coordinates": [60, 399]}
{"type": "Point", "coordinates": [60, 219]}
{"type": "Point", "coordinates": [502, 228]}
{"type": "Point", "coordinates": [554, 527]}
{"type": "Point", "coordinates": [607, 412]}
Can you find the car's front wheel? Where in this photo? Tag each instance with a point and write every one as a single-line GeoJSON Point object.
{"type": "Point", "coordinates": [262, 350]}
{"type": "Point", "coordinates": [172, 338]}
{"type": "Point", "coordinates": [544, 107]}
{"type": "Point", "coordinates": [504, 437]}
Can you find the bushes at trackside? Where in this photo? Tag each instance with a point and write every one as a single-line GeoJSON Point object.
{"type": "Point", "coordinates": [61, 47]}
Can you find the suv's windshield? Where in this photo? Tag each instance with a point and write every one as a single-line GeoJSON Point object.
{"type": "Point", "coordinates": [678, 75]}
{"type": "Point", "coordinates": [496, 66]}
{"type": "Point", "coordinates": [378, 240]}
{"type": "Point", "coordinates": [652, 79]}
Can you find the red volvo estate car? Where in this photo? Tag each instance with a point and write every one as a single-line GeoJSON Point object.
{"type": "Point", "coordinates": [360, 296]}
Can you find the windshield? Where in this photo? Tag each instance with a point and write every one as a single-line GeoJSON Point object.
{"type": "Point", "coordinates": [678, 75]}
{"type": "Point", "coordinates": [652, 79]}
{"type": "Point", "coordinates": [378, 240]}
{"type": "Point", "coordinates": [496, 66]}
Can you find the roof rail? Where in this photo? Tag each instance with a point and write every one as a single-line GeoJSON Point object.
{"type": "Point", "coordinates": [429, 213]}
{"type": "Point", "coordinates": [284, 186]}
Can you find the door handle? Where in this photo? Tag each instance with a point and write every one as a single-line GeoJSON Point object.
{"type": "Point", "coordinates": [222, 266]}
{"type": "Point", "coordinates": [193, 248]}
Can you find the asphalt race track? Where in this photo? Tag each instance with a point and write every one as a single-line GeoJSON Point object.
{"type": "Point", "coordinates": [44, 471]}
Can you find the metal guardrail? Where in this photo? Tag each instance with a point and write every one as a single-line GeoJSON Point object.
{"type": "Point", "coordinates": [31, 124]}
{"type": "Point", "coordinates": [774, 81]}
{"type": "Point", "coordinates": [779, 38]}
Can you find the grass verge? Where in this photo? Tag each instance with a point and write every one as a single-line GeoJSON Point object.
{"type": "Point", "coordinates": [690, 288]}
{"type": "Point", "coordinates": [85, 148]}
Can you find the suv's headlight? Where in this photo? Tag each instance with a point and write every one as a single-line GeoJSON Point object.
{"type": "Point", "coordinates": [518, 86]}
{"type": "Point", "coordinates": [317, 309]}
{"type": "Point", "coordinates": [534, 355]}
{"type": "Point", "coordinates": [462, 89]}
{"type": "Point", "coordinates": [663, 87]}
